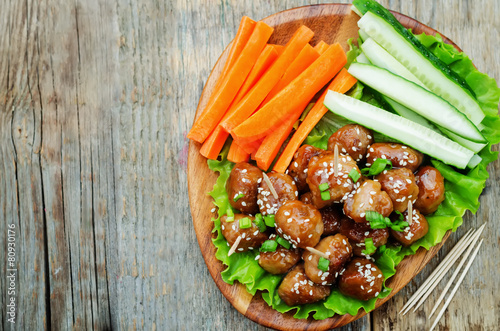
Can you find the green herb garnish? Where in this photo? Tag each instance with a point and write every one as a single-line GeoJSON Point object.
{"type": "Point", "coordinates": [323, 264]}
{"type": "Point", "coordinates": [269, 246]}
{"type": "Point", "coordinates": [259, 221]}
{"type": "Point", "coordinates": [354, 175]}
{"type": "Point", "coordinates": [245, 223]}
{"type": "Point", "coordinates": [283, 242]}
{"type": "Point", "coordinates": [378, 221]}
{"type": "Point", "coordinates": [369, 247]}
{"type": "Point", "coordinates": [377, 167]}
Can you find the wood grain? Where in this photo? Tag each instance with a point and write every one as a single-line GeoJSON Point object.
{"type": "Point", "coordinates": [330, 23]}
{"type": "Point", "coordinates": [95, 101]}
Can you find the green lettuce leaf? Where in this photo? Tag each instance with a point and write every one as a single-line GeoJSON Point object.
{"type": "Point", "coordinates": [462, 193]}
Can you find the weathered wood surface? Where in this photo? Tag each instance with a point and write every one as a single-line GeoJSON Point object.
{"type": "Point", "coordinates": [95, 100]}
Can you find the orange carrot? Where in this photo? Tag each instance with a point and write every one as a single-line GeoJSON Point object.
{"type": "Point", "coordinates": [288, 101]}
{"type": "Point", "coordinates": [237, 154]}
{"type": "Point", "coordinates": [215, 141]}
{"type": "Point", "coordinates": [341, 83]}
{"type": "Point", "coordinates": [257, 94]}
{"type": "Point", "coordinates": [306, 56]}
{"type": "Point", "coordinates": [273, 142]}
{"type": "Point", "coordinates": [321, 47]}
{"type": "Point", "coordinates": [231, 83]}
{"type": "Point", "coordinates": [279, 48]}
{"type": "Point", "coordinates": [245, 30]}
{"type": "Point", "coordinates": [266, 58]}
{"type": "Point", "coordinates": [213, 144]}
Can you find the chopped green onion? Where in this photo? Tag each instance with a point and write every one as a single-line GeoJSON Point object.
{"type": "Point", "coordinates": [378, 221]}
{"type": "Point", "coordinates": [259, 221]}
{"type": "Point", "coordinates": [369, 247]}
{"type": "Point", "coordinates": [323, 187]}
{"type": "Point", "coordinates": [323, 264]}
{"type": "Point", "coordinates": [354, 175]}
{"type": "Point", "coordinates": [377, 167]}
{"type": "Point", "coordinates": [269, 220]}
{"type": "Point", "coordinates": [245, 223]}
{"type": "Point", "coordinates": [325, 195]}
{"type": "Point", "coordinates": [283, 242]}
{"type": "Point", "coordinates": [230, 215]}
{"type": "Point", "coordinates": [238, 197]}
{"type": "Point", "coordinates": [269, 246]}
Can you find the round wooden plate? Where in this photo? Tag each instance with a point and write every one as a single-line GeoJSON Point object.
{"type": "Point", "coordinates": [331, 23]}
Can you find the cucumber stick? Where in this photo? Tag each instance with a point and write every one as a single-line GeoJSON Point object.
{"type": "Point", "coordinates": [434, 74]}
{"type": "Point", "coordinates": [399, 128]}
{"type": "Point", "coordinates": [412, 116]}
{"type": "Point", "coordinates": [361, 58]}
{"type": "Point", "coordinates": [418, 99]}
{"type": "Point", "coordinates": [381, 58]}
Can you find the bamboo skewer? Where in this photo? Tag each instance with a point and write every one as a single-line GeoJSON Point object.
{"type": "Point", "coordinates": [462, 276]}
{"type": "Point", "coordinates": [431, 278]}
{"type": "Point", "coordinates": [319, 253]}
{"type": "Point", "coordinates": [452, 278]}
{"type": "Point", "coordinates": [471, 242]}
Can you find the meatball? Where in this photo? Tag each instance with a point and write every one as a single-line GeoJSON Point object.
{"type": "Point", "coordinates": [430, 190]}
{"type": "Point", "coordinates": [306, 198]}
{"type": "Point", "coordinates": [299, 223]}
{"type": "Point", "coordinates": [298, 167]}
{"type": "Point", "coordinates": [368, 197]}
{"type": "Point", "coordinates": [400, 185]}
{"type": "Point", "coordinates": [362, 279]}
{"type": "Point", "coordinates": [297, 289]}
{"type": "Point", "coordinates": [331, 219]}
{"type": "Point", "coordinates": [339, 251]}
{"type": "Point", "coordinates": [279, 261]}
{"type": "Point", "coordinates": [416, 230]}
{"type": "Point", "coordinates": [400, 155]}
{"type": "Point", "coordinates": [242, 187]}
{"type": "Point", "coordinates": [352, 139]}
{"type": "Point", "coordinates": [358, 232]}
{"type": "Point", "coordinates": [321, 171]}
{"type": "Point", "coordinates": [284, 186]}
{"type": "Point", "coordinates": [251, 238]}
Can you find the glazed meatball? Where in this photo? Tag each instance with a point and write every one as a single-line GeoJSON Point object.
{"type": "Point", "coordinates": [279, 261]}
{"type": "Point", "coordinates": [306, 198]}
{"type": "Point", "coordinates": [362, 279]}
{"type": "Point", "coordinates": [321, 171]}
{"type": "Point", "coordinates": [251, 238]}
{"type": "Point", "coordinates": [416, 230]}
{"type": "Point", "coordinates": [358, 232]}
{"type": "Point", "coordinates": [368, 197]}
{"type": "Point", "coordinates": [299, 223]}
{"type": "Point", "coordinates": [331, 219]}
{"type": "Point", "coordinates": [339, 251]}
{"type": "Point", "coordinates": [285, 188]}
{"type": "Point", "coordinates": [298, 167]}
{"type": "Point", "coordinates": [400, 185]}
{"type": "Point", "coordinates": [242, 186]}
{"type": "Point", "coordinates": [297, 289]}
{"type": "Point", "coordinates": [400, 155]}
{"type": "Point", "coordinates": [352, 139]}
{"type": "Point", "coordinates": [430, 189]}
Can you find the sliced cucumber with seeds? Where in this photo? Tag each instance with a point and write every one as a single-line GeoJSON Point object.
{"type": "Point", "coordinates": [399, 128]}
{"type": "Point", "coordinates": [363, 35]}
{"type": "Point", "coordinates": [418, 99]}
{"type": "Point", "coordinates": [431, 71]}
{"type": "Point", "coordinates": [381, 58]}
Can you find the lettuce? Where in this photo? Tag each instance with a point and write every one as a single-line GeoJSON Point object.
{"type": "Point", "coordinates": [462, 193]}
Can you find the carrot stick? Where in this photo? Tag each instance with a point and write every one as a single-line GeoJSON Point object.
{"type": "Point", "coordinates": [272, 143]}
{"type": "Point", "coordinates": [266, 58]}
{"type": "Point", "coordinates": [341, 83]}
{"type": "Point", "coordinates": [306, 56]}
{"type": "Point", "coordinates": [279, 48]}
{"type": "Point", "coordinates": [231, 83]}
{"type": "Point", "coordinates": [237, 154]}
{"type": "Point", "coordinates": [321, 47]}
{"type": "Point", "coordinates": [213, 144]}
{"type": "Point", "coordinates": [257, 94]}
{"type": "Point", "coordinates": [245, 30]}
{"type": "Point", "coordinates": [215, 141]}
{"type": "Point", "coordinates": [295, 94]}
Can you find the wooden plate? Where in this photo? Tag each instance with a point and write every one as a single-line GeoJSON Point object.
{"type": "Point", "coordinates": [331, 23]}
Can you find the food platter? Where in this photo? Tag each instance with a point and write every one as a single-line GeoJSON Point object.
{"type": "Point", "coordinates": [331, 23]}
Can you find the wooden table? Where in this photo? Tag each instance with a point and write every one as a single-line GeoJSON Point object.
{"type": "Point", "coordinates": [96, 98]}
